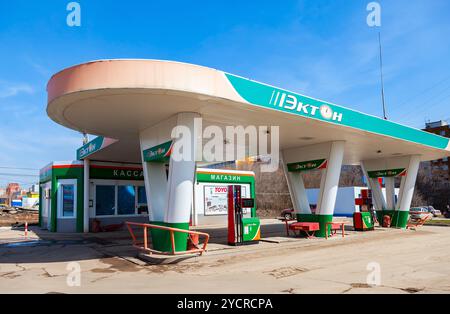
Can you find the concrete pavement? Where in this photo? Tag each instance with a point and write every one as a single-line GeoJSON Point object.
{"type": "Point", "coordinates": [409, 262]}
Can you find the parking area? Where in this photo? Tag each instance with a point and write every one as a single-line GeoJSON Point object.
{"type": "Point", "coordinates": [404, 261]}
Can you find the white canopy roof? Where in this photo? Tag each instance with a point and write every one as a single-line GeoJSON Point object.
{"type": "Point", "coordinates": [119, 98]}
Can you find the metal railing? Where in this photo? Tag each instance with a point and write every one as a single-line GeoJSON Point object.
{"type": "Point", "coordinates": [144, 245]}
{"type": "Point", "coordinates": [418, 222]}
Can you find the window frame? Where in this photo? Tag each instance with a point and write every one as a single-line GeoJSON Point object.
{"type": "Point", "coordinates": [135, 200]}
{"type": "Point", "coordinates": [95, 200]}
{"type": "Point", "coordinates": [59, 206]}
{"type": "Point", "coordinates": [137, 195]}
{"type": "Point", "coordinates": [43, 199]}
{"type": "Point", "coordinates": [116, 184]}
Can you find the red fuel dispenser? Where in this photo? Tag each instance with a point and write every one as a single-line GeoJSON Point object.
{"type": "Point", "coordinates": [243, 228]}
{"type": "Point", "coordinates": [364, 220]}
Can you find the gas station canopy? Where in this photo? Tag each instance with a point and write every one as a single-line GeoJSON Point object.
{"type": "Point", "coordinates": [120, 98]}
{"type": "Point", "coordinates": [134, 105]}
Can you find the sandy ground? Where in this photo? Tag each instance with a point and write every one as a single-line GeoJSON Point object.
{"type": "Point", "coordinates": [20, 217]}
{"type": "Point", "coordinates": [409, 262]}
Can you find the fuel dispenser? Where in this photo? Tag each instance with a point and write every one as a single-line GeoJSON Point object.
{"type": "Point", "coordinates": [364, 219]}
{"type": "Point", "coordinates": [243, 228]}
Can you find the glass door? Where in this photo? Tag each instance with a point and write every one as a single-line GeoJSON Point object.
{"type": "Point", "coordinates": [105, 200]}
{"type": "Point", "coordinates": [126, 200]}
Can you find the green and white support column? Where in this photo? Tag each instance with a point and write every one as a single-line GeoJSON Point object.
{"type": "Point", "coordinates": [156, 189]}
{"type": "Point", "coordinates": [390, 193]}
{"type": "Point", "coordinates": [407, 187]}
{"type": "Point", "coordinates": [329, 185]}
{"type": "Point", "coordinates": [374, 185]}
{"type": "Point", "coordinates": [297, 190]}
{"type": "Point", "coordinates": [326, 157]}
{"type": "Point", "coordinates": [405, 167]}
{"type": "Point", "coordinates": [170, 198]}
{"type": "Point", "coordinates": [377, 194]}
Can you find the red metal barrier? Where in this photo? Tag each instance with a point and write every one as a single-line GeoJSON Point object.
{"type": "Point", "coordinates": [144, 244]}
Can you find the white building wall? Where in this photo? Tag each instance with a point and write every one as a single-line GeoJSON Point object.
{"type": "Point", "coordinates": [345, 200]}
{"type": "Point", "coordinates": [211, 219]}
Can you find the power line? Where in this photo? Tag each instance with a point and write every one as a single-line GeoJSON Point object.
{"type": "Point", "coordinates": [18, 181]}
{"type": "Point", "coordinates": [19, 175]}
{"type": "Point", "coordinates": [423, 92]}
{"type": "Point", "coordinates": [3, 177]}
{"type": "Point", "coordinates": [428, 106]}
{"type": "Point", "coordinates": [14, 168]}
{"type": "Point", "coordinates": [442, 92]}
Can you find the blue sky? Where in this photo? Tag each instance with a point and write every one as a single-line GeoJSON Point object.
{"type": "Point", "coordinates": [320, 48]}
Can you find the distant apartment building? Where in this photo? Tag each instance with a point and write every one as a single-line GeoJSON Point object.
{"type": "Point", "coordinates": [3, 197]}
{"type": "Point", "coordinates": [438, 169]}
{"type": "Point", "coordinates": [13, 189]}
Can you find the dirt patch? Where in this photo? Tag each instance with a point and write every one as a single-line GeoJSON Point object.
{"type": "Point", "coordinates": [357, 286]}
{"type": "Point", "coordinates": [286, 272]}
{"type": "Point", "coordinates": [289, 291]}
{"type": "Point", "coordinates": [413, 290]}
{"type": "Point", "coordinates": [360, 286]}
{"type": "Point", "coordinates": [18, 217]}
{"type": "Point", "coordinates": [181, 269]}
{"type": "Point", "coordinates": [103, 270]}
{"type": "Point", "coordinates": [116, 265]}
{"type": "Point", "coordinates": [46, 274]}
{"type": "Point", "coordinates": [11, 275]}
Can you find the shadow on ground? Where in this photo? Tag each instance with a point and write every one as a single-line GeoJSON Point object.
{"type": "Point", "coordinates": [54, 247]}
{"type": "Point", "coordinates": [47, 247]}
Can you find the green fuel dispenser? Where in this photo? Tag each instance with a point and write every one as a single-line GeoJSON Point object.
{"type": "Point", "coordinates": [363, 221]}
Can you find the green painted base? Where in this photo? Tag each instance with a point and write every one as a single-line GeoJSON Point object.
{"type": "Point", "coordinates": [161, 238]}
{"type": "Point", "coordinates": [321, 219]}
{"type": "Point", "coordinates": [399, 219]}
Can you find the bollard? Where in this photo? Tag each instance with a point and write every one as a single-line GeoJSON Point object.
{"type": "Point", "coordinates": [26, 229]}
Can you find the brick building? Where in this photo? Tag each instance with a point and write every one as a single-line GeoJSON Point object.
{"type": "Point", "coordinates": [438, 169]}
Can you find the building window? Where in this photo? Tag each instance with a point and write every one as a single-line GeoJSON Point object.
{"type": "Point", "coordinates": [119, 199]}
{"type": "Point", "coordinates": [142, 201]}
{"type": "Point", "coordinates": [68, 200]}
{"type": "Point", "coordinates": [142, 196]}
{"type": "Point", "coordinates": [67, 203]}
{"type": "Point", "coordinates": [126, 200]}
{"type": "Point", "coordinates": [105, 200]}
{"type": "Point", "coordinates": [45, 200]}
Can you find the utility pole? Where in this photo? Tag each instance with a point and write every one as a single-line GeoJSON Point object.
{"type": "Point", "coordinates": [382, 78]}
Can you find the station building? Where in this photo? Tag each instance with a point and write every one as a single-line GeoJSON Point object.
{"type": "Point", "coordinates": [116, 194]}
